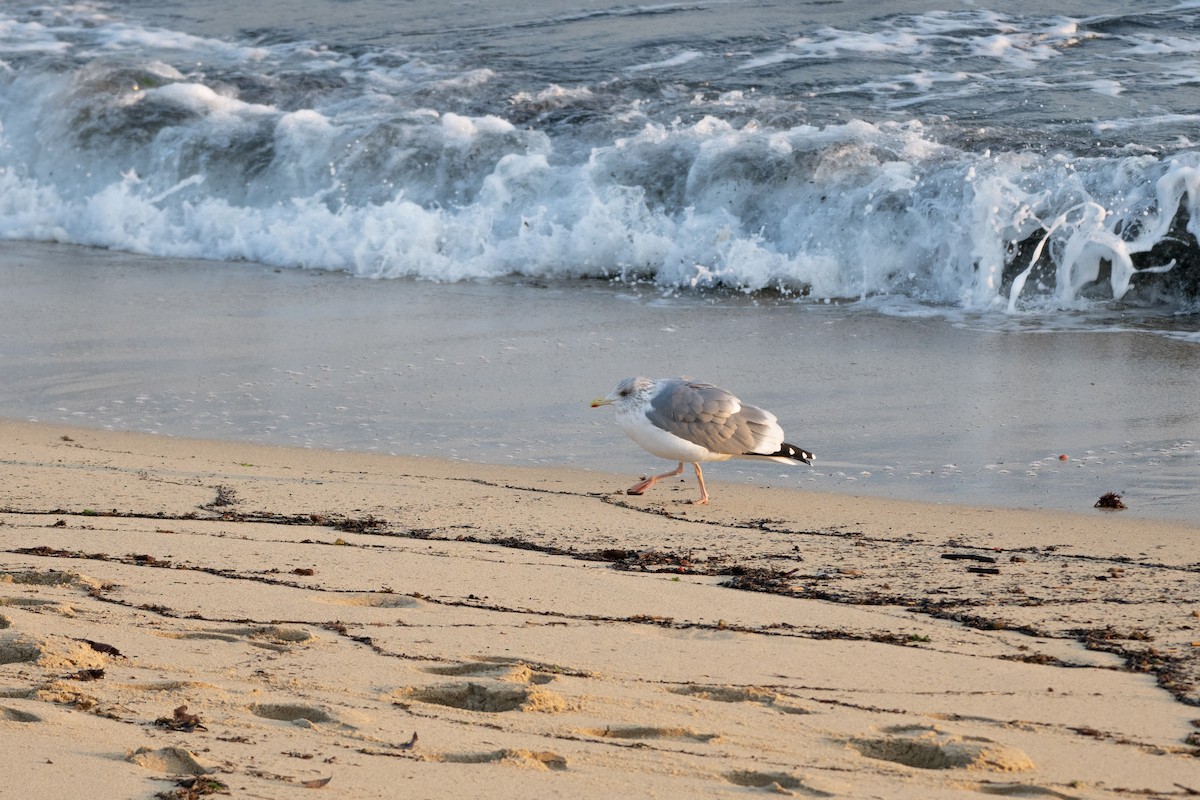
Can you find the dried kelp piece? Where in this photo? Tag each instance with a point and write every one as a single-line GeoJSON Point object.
{"type": "Point", "coordinates": [192, 788]}
{"type": "Point", "coordinates": [226, 496]}
{"type": "Point", "coordinates": [147, 560]}
{"type": "Point", "coordinates": [1110, 500]}
{"type": "Point", "coordinates": [365, 524]}
{"type": "Point", "coordinates": [181, 720]}
{"type": "Point", "coordinates": [101, 647]}
{"type": "Point", "coordinates": [772, 581]}
{"type": "Point", "coordinates": [86, 675]}
{"type": "Point", "coordinates": [969, 557]}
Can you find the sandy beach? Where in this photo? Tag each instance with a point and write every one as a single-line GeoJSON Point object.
{"type": "Point", "coordinates": [302, 306]}
{"type": "Point", "coordinates": [371, 626]}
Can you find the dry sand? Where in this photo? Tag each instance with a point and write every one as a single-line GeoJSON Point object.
{"type": "Point", "coordinates": [395, 627]}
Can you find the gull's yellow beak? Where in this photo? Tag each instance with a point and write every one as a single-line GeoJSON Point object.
{"type": "Point", "coordinates": [601, 401]}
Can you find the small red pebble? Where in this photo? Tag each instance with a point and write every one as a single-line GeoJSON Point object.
{"type": "Point", "coordinates": [1063, 457]}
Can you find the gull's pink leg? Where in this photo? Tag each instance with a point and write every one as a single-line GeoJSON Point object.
{"type": "Point", "coordinates": [703, 501]}
{"type": "Point", "coordinates": [638, 488]}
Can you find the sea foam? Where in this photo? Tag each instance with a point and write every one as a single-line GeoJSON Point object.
{"type": "Point", "coordinates": [377, 163]}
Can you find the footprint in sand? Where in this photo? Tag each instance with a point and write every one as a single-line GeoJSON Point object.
{"type": "Point", "coordinates": [786, 784]}
{"type": "Point", "coordinates": [650, 732]}
{"type": "Point", "coordinates": [371, 600]}
{"type": "Point", "coordinates": [510, 672]}
{"type": "Point", "coordinates": [50, 577]}
{"type": "Point", "coordinates": [269, 637]}
{"type": "Point", "coordinates": [16, 715]}
{"type": "Point", "coordinates": [49, 652]}
{"type": "Point", "coordinates": [740, 694]}
{"type": "Point", "coordinates": [38, 606]}
{"type": "Point", "coordinates": [175, 686]}
{"type": "Point", "coordinates": [305, 716]}
{"type": "Point", "coordinates": [308, 716]}
{"type": "Point", "coordinates": [274, 634]}
{"type": "Point", "coordinates": [526, 759]}
{"type": "Point", "coordinates": [171, 760]}
{"type": "Point", "coordinates": [931, 748]}
{"type": "Point", "coordinates": [492, 699]}
{"type": "Point", "coordinates": [277, 633]}
{"type": "Point", "coordinates": [511, 685]}
{"type": "Point", "coordinates": [1022, 790]}
{"type": "Point", "coordinates": [17, 648]}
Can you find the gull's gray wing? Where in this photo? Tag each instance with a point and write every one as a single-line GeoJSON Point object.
{"type": "Point", "coordinates": [713, 418]}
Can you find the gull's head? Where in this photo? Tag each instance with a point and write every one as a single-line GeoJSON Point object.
{"type": "Point", "coordinates": [630, 391]}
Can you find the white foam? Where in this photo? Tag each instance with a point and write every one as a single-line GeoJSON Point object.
{"type": "Point", "coordinates": [117, 36]}
{"type": "Point", "coordinates": [1105, 86]}
{"type": "Point", "coordinates": [200, 99]}
{"type": "Point", "coordinates": [459, 127]}
{"type": "Point", "coordinates": [1147, 121]}
{"type": "Point", "coordinates": [553, 95]}
{"type": "Point", "coordinates": [29, 37]}
{"type": "Point", "coordinates": [677, 60]}
{"type": "Point", "coordinates": [828, 43]}
{"type": "Point", "coordinates": [382, 177]}
{"type": "Point", "coordinates": [529, 216]}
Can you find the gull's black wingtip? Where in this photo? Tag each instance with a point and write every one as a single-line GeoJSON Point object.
{"type": "Point", "coordinates": [798, 453]}
{"type": "Point", "coordinates": [788, 451]}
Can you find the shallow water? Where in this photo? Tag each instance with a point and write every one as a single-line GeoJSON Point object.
{"type": "Point", "coordinates": [503, 371]}
{"type": "Point", "coordinates": [946, 243]}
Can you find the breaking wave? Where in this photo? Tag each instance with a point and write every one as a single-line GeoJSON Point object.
{"type": "Point", "coordinates": [384, 164]}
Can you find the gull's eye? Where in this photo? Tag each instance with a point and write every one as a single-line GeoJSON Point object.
{"type": "Point", "coordinates": [624, 393]}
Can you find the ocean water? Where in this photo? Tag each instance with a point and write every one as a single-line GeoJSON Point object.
{"type": "Point", "coordinates": [944, 152]}
{"type": "Point", "coordinates": [1004, 201]}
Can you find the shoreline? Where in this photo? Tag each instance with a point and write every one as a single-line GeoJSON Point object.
{"type": "Point", "coordinates": [293, 357]}
{"type": "Point", "coordinates": [316, 609]}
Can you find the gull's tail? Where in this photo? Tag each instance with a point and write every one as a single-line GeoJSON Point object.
{"type": "Point", "coordinates": [787, 454]}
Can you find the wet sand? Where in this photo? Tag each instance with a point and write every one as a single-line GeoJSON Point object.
{"type": "Point", "coordinates": [272, 618]}
{"type": "Point", "coordinates": [954, 409]}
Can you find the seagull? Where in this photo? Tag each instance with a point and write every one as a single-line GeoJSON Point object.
{"type": "Point", "coordinates": [690, 422]}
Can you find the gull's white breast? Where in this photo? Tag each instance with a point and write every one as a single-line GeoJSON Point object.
{"type": "Point", "coordinates": [653, 439]}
